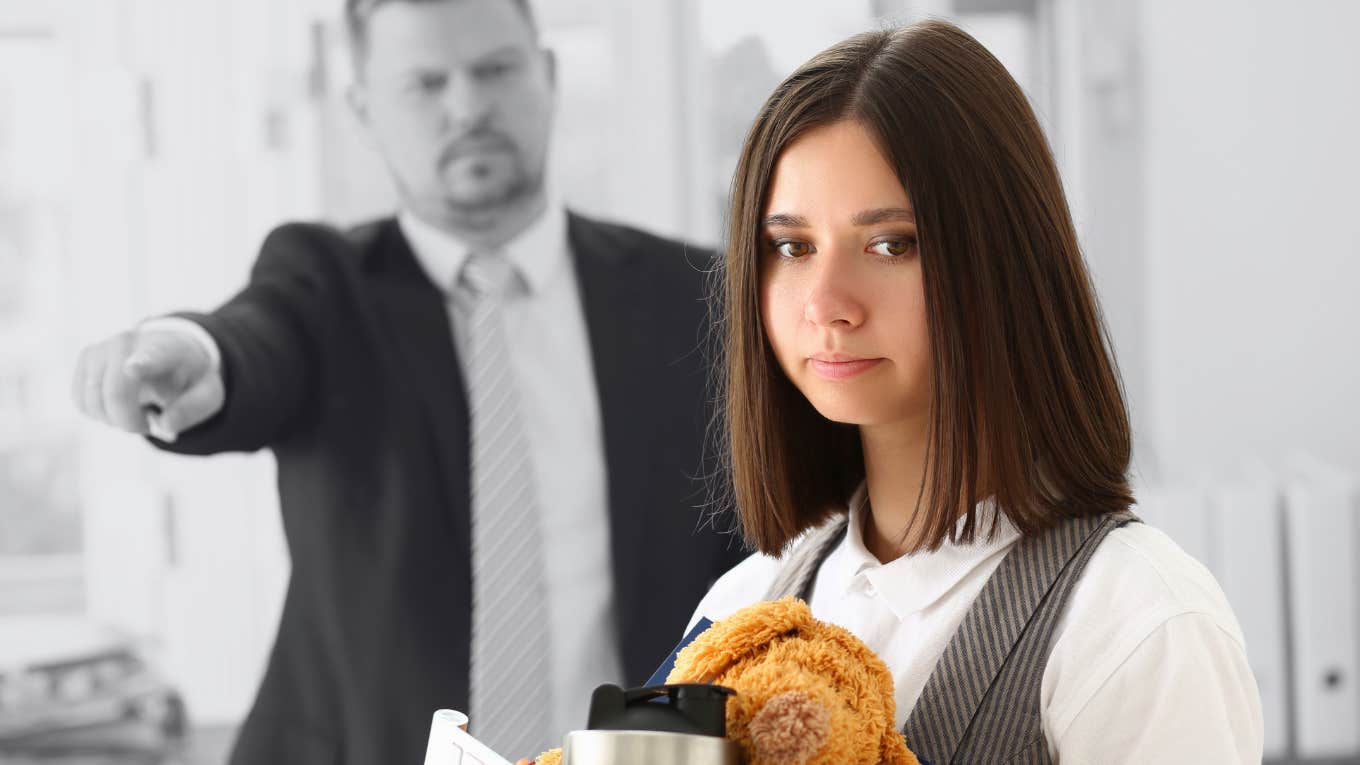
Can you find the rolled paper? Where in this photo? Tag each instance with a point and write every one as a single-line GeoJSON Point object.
{"type": "Point", "coordinates": [451, 744]}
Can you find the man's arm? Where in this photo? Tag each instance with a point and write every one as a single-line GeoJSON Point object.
{"type": "Point", "coordinates": [265, 340]}
{"type": "Point", "coordinates": [166, 425]}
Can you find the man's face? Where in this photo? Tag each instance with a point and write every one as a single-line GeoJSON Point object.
{"type": "Point", "coordinates": [458, 98]}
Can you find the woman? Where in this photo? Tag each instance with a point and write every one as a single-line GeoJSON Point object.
{"type": "Point", "coordinates": [922, 415]}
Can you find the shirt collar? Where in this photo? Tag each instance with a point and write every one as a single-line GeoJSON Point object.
{"type": "Point", "coordinates": [536, 252]}
{"type": "Point", "coordinates": [913, 583]}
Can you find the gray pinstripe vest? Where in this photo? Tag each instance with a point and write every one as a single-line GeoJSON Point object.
{"type": "Point", "coordinates": [981, 704]}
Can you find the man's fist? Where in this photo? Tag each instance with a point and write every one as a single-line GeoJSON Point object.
{"type": "Point", "coordinates": [157, 373]}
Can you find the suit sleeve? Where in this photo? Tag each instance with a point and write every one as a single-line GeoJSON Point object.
{"type": "Point", "coordinates": [269, 335]}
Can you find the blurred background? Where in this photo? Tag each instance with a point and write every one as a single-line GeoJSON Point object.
{"type": "Point", "coordinates": [1210, 154]}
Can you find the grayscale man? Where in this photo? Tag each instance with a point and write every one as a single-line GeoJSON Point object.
{"type": "Point", "coordinates": [487, 413]}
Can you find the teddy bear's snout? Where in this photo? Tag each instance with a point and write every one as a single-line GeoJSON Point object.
{"type": "Point", "coordinates": [790, 728]}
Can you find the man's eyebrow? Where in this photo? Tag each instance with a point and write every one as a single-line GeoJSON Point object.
{"type": "Point", "coordinates": [883, 215]}
{"type": "Point", "coordinates": [504, 51]}
{"type": "Point", "coordinates": [786, 220]}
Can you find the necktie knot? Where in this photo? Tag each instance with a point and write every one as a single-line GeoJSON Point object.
{"type": "Point", "coordinates": [487, 274]}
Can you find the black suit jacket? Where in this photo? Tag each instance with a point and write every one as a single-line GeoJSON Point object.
{"type": "Point", "coordinates": [338, 355]}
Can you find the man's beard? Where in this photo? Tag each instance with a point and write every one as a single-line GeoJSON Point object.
{"type": "Point", "coordinates": [484, 173]}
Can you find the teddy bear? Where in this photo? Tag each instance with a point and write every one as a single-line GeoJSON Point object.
{"type": "Point", "coordinates": [807, 692]}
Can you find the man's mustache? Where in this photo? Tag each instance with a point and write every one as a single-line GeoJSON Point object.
{"type": "Point", "coordinates": [476, 143]}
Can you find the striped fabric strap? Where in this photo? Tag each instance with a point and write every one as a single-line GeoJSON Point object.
{"type": "Point", "coordinates": [981, 704]}
{"type": "Point", "coordinates": [798, 573]}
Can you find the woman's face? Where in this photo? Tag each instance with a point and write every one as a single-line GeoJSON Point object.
{"type": "Point", "coordinates": [841, 296]}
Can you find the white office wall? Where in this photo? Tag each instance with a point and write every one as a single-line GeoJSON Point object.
{"type": "Point", "coordinates": [1251, 112]}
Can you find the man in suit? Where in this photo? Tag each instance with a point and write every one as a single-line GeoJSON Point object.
{"type": "Point", "coordinates": [392, 383]}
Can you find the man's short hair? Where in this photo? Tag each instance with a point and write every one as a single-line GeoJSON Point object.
{"type": "Point", "coordinates": [357, 13]}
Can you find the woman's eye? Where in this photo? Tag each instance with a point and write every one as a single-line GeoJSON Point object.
{"type": "Point", "coordinates": [894, 248]}
{"type": "Point", "coordinates": [792, 249]}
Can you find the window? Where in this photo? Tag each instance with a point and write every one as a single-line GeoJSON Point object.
{"type": "Point", "coordinates": [41, 543]}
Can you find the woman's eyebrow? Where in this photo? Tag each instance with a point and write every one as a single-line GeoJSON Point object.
{"type": "Point", "coordinates": [785, 220]}
{"type": "Point", "coordinates": [883, 215]}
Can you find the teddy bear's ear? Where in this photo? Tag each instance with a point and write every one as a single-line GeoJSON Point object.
{"type": "Point", "coordinates": [737, 638]}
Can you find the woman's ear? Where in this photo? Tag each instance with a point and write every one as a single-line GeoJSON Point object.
{"type": "Point", "coordinates": [738, 638]}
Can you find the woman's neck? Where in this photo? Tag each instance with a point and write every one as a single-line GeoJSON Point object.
{"type": "Point", "coordinates": [894, 471]}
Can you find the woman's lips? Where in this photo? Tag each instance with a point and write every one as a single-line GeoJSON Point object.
{"type": "Point", "coordinates": [841, 368]}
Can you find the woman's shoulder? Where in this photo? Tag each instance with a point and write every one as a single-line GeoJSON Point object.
{"type": "Point", "coordinates": [1138, 569]}
{"type": "Point", "coordinates": [750, 581]}
{"type": "Point", "coordinates": [1148, 635]}
{"type": "Point", "coordinates": [1138, 588]}
{"type": "Point", "coordinates": [1137, 580]}
{"type": "Point", "coordinates": [744, 584]}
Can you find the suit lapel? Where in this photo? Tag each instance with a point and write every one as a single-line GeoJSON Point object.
{"type": "Point", "coordinates": [615, 314]}
{"type": "Point", "coordinates": [419, 332]}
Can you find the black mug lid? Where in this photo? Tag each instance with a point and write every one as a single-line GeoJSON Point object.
{"type": "Point", "coordinates": [694, 708]}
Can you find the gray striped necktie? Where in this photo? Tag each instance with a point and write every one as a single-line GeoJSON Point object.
{"type": "Point", "coordinates": [510, 691]}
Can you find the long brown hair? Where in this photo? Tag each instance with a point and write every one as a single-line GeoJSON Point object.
{"type": "Point", "coordinates": [1026, 403]}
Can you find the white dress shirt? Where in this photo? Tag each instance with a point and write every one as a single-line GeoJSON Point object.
{"type": "Point", "coordinates": [1147, 662]}
{"type": "Point", "coordinates": [551, 361]}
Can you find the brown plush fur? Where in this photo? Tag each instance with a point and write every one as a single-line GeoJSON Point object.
{"type": "Point", "coordinates": [808, 692]}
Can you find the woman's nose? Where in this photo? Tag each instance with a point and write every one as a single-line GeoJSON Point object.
{"type": "Point", "coordinates": [832, 298]}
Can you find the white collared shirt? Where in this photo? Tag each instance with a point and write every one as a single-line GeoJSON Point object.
{"type": "Point", "coordinates": [550, 355]}
{"type": "Point", "coordinates": [1147, 663]}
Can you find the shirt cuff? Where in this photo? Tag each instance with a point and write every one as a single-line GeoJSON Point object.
{"type": "Point", "coordinates": [192, 329]}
